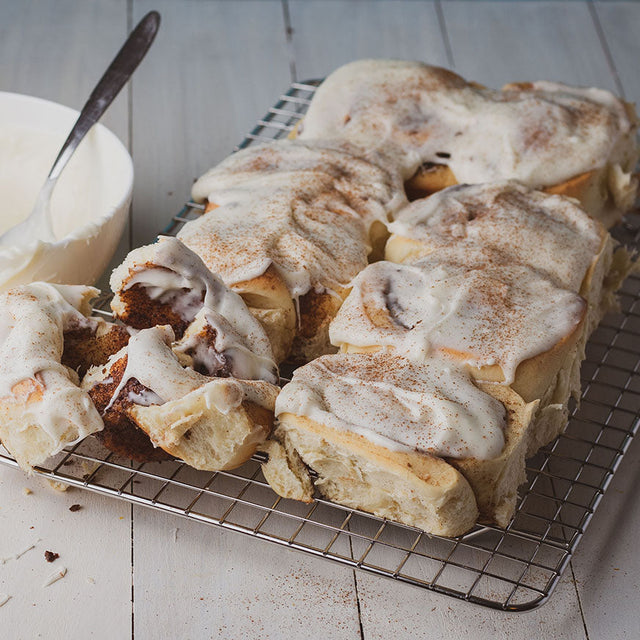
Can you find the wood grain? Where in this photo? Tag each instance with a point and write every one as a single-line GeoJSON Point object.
{"type": "Point", "coordinates": [498, 42]}
{"type": "Point", "coordinates": [214, 70]}
{"type": "Point", "coordinates": [210, 583]}
{"type": "Point", "coordinates": [329, 34]}
{"type": "Point", "coordinates": [94, 544]}
{"type": "Point", "coordinates": [619, 22]}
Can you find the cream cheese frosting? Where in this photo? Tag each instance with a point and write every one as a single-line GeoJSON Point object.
{"type": "Point", "coordinates": [153, 364]}
{"type": "Point", "coordinates": [464, 303]}
{"type": "Point", "coordinates": [151, 361]}
{"type": "Point", "coordinates": [541, 136]}
{"type": "Point", "coordinates": [33, 319]}
{"type": "Point", "coordinates": [313, 204]}
{"type": "Point", "coordinates": [549, 233]}
{"type": "Point", "coordinates": [225, 351]}
{"type": "Point", "coordinates": [432, 406]}
{"type": "Point", "coordinates": [171, 273]}
{"type": "Point", "coordinates": [88, 205]}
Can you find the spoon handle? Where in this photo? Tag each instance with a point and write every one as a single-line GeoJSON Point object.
{"type": "Point", "coordinates": [114, 78]}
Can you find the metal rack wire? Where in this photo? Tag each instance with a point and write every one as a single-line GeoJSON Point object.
{"type": "Point", "coordinates": [514, 569]}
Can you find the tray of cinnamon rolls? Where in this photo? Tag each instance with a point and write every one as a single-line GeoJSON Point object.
{"type": "Point", "coordinates": [426, 258]}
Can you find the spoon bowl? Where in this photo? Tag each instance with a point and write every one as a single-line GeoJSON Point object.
{"type": "Point", "coordinates": [90, 203]}
{"type": "Point", "coordinates": [39, 225]}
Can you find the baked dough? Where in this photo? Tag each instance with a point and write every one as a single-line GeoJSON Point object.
{"type": "Point", "coordinates": [217, 426]}
{"type": "Point", "coordinates": [509, 280]}
{"type": "Point", "coordinates": [155, 407]}
{"type": "Point", "coordinates": [489, 315]}
{"type": "Point", "coordinates": [548, 233]}
{"type": "Point", "coordinates": [503, 283]}
{"type": "Point", "coordinates": [167, 283]}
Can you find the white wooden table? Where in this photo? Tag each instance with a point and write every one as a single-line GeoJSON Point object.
{"type": "Point", "coordinates": [214, 69]}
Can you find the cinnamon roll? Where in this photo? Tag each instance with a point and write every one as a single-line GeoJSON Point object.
{"type": "Point", "coordinates": [419, 443]}
{"type": "Point", "coordinates": [444, 130]}
{"type": "Point", "coordinates": [288, 226]}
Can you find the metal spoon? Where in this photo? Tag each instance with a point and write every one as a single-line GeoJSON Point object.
{"type": "Point", "coordinates": [38, 224]}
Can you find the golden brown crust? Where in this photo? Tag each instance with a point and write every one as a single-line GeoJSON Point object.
{"type": "Point", "coordinates": [418, 464]}
{"type": "Point", "coordinates": [269, 301]}
{"type": "Point", "coordinates": [589, 188]}
{"type": "Point", "coordinates": [429, 178]}
{"type": "Point", "coordinates": [415, 488]}
{"type": "Point", "coordinates": [317, 310]}
{"type": "Point", "coordinates": [518, 86]}
{"type": "Point", "coordinates": [259, 415]}
{"type": "Point", "coordinates": [28, 390]}
{"type": "Point", "coordinates": [210, 206]}
{"type": "Point", "coordinates": [29, 444]}
{"type": "Point", "coordinates": [577, 186]}
{"type": "Point", "coordinates": [534, 375]}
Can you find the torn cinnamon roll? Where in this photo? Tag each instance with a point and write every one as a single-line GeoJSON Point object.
{"type": "Point", "coordinates": [167, 283]}
{"type": "Point", "coordinates": [288, 224]}
{"type": "Point", "coordinates": [154, 407]}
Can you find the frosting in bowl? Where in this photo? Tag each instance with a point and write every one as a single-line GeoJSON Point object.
{"type": "Point", "coordinates": [89, 204]}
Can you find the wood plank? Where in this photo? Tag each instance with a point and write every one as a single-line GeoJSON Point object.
{"type": "Point", "coordinates": [214, 70]}
{"type": "Point", "coordinates": [607, 564]}
{"type": "Point", "coordinates": [51, 49]}
{"type": "Point", "coordinates": [94, 544]}
{"type": "Point", "coordinates": [329, 34]}
{"type": "Point", "coordinates": [203, 582]}
{"type": "Point", "coordinates": [620, 22]}
{"type": "Point", "coordinates": [498, 42]}
{"type": "Point", "coordinates": [396, 610]}
{"type": "Point", "coordinates": [391, 608]}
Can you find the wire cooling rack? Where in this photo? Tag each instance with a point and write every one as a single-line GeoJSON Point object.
{"type": "Point", "coordinates": [514, 569]}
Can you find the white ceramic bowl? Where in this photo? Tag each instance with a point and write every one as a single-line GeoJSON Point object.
{"type": "Point", "coordinates": [90, 203]}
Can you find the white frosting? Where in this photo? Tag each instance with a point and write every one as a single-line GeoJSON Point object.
{"type": "Point", "coordinates": [539, 137]}
{"type": "Point", "coordinates": [33, 319]}
{"type": "Point", "coordinates": [26, 156]}
{"type": "Point", "coordinates": [226, 394]}
{"type": "Point", "coordinates": [152, 362]}
{"type": "Point", "coordinates": [547, 232]}
{"type": "Point", "coordinates": [313, 205]}
{"type": "Point", "coordinates": [31, 134]}
{"type": "Point", "coordinates": [227, 350]}
{"type": "Point", "coordinates": [173, 274]}
{"type": "Point", "coordinates": [485, 311]}
{"type": "Point", "coordinates": [431, 407]}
